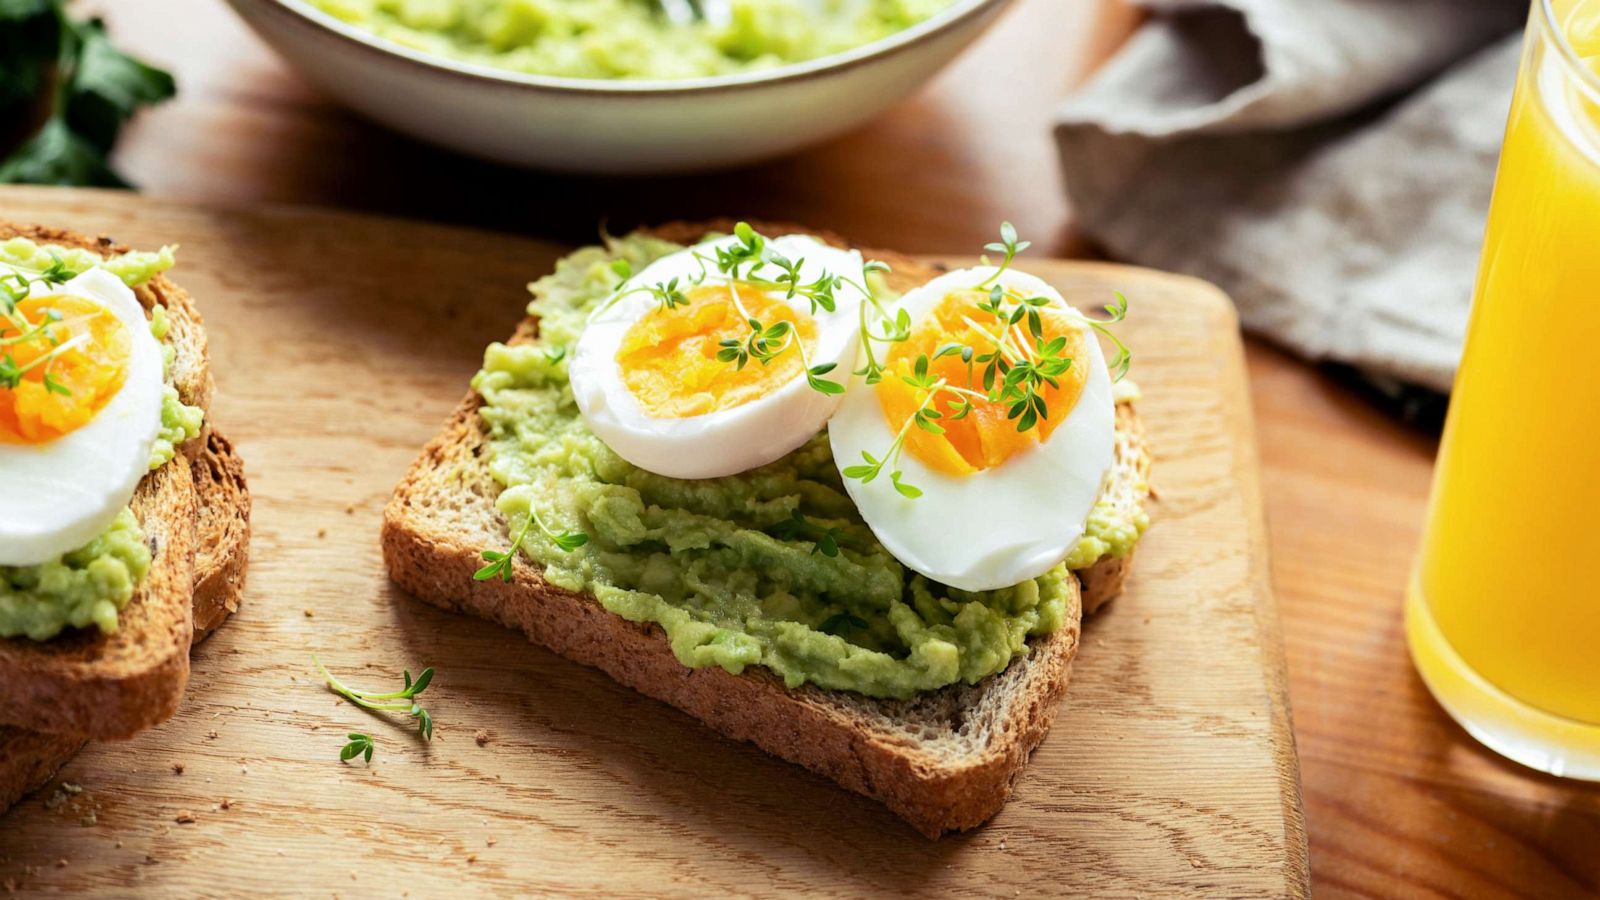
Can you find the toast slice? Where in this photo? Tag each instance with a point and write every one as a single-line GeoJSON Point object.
{"type": "Point", "coordinates": [29, 759]}
{"type": "Point", "coordinates": [943, 761]}
{"type": "Point", "coordinates": [116, 685]}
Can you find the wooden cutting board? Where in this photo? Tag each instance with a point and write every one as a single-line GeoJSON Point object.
{"type": "Point", "coordinates": [339, 344]}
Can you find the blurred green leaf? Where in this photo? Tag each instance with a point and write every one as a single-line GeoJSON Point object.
{"type": "Point", "coordinates": [67, 74]}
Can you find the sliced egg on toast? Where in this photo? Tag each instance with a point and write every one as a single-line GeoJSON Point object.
{"type": "Point", "coordinates": [652, 377]}
{"type": "Point", "coordinates": [80, 408]}
{"type": "Point", "coordinates": [998, 505]}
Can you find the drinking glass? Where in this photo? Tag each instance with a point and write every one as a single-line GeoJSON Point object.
{"type": "Point", "coordinates": [1503, 610]}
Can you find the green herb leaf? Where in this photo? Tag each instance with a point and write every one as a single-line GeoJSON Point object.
{"type": "Point", "coordinates": [109, 86]}
{"type": "Point", "coordinates": [360, 745]}
{"type": "Point", "coordinates": [97, 88]}
{"type": "Point", "coordinates": [911, 492]}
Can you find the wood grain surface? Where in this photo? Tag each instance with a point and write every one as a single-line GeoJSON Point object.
{"type": "Point", "coordinates": [1399, 801]}
{"type": "Point", "coordinates": [340, 344]}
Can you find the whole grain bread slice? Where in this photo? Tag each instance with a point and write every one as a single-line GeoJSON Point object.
{"type": "Point", "coordinates": [944, 761]}
{"type": "Point", "coordinates": [116, 685]}
{"type": "Point", "coordinates": [29, 759]}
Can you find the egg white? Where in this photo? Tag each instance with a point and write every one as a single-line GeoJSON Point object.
{"type": "Point", "coordinates": [996, 527]}
{"type": "Point", "coordinates": [728, 441]}
{"type": "Point", "coordinates": [58, 496]}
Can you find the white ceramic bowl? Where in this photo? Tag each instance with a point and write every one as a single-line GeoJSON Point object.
{"type": "Point", "coordinates": [616, 127]}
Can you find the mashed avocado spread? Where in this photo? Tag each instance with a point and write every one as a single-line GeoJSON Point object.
{"type": "Point", "coordinates": [91, 585]}
{"type": "Point", "coordinates": [708, 560]}
{"type": "Point", "coordinates": [629, 38]}
{"type": "Point", "coordinates": [88, 586]}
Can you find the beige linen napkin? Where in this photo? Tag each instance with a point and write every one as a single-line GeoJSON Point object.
{"type": "Point", "coordinates": [1327, 162]}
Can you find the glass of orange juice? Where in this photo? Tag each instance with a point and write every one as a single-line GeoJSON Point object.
{"type": "Point", "coordinates": [1503, 612]}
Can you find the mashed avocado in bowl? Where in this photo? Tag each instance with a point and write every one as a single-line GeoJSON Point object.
{"type": "Point", "coordinates": [620, 87]}
{"type": "Point", "coordinates": [630, 39]}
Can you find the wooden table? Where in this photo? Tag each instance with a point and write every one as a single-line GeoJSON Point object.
{"type": "Point", "coordinates": [1398, 799]}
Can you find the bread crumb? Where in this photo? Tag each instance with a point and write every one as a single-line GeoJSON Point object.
{"type": "Point", "coordinates": [177, 768]}
{"type": "Point", "coordinates": [226, 803]}
{"type": "Point", "coordinates": [350, 509]}
{"type": "Point", "coordinates": [482, 737]}
{"type": "Point", "coordinates": [185, 817]}
{"type": "Point", "coordinates": [322, 532]}
{"type": "Point", "coordinates": [119, 845]}
{"type": "Point", "coordinates": [491, 841]}
{"type": "Point", "coordinates": [310, 613]}
{"type": "Point", "coordinates": [211, 735]}
{"type": "Point", "coordinates": [61, 863]}
{"type": "Point", "coordinates": [1002, 843]}
{"type": "Point", "coordinates": [89, 820]}
{"type": "Point", "coordinates": [472, 857]}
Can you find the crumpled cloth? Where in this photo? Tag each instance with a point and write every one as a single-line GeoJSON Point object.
{"type": "Point", "coordinates": [1328, 163]}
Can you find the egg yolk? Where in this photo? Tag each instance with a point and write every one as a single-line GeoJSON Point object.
{"type": "Point", "coordinates": [669, 358]}
{"type": "Point", "coordinates": [987, 436]}
{"type": "Point", "coordinates": [72, 355]}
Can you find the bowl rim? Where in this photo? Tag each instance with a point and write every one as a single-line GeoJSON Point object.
{"type": "Point", "coordinates": [304, 14]}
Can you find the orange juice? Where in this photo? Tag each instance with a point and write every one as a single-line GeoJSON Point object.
{"type": "Point", "coordinates": [1504, 611]}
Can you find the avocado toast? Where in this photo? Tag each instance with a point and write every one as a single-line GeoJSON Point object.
{"type": "Point", "coordinates": [942, 758]}
{"type": "Point", "coordinates": [70, 680]}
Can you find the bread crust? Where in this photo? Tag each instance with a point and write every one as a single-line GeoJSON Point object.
{"type": "Point", "coordinates": [442, 515]}
{"type": "Point", "coordinates": [222, 554]}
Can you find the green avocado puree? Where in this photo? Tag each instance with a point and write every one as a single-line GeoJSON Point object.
{"type": "Point", "coordinates": [701, 559]}
{"type": "Point", "coordinates": [607, 39]}
{"type": "Point", "coordinates": [91, 585]}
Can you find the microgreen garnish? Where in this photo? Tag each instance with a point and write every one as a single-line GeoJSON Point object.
{"type": "Point", "coordinates": [500, 564]}
{"type": "Point", "coordinates": [838, 620]}
{"type": "Point", "coordinates": [16, 328]}
{"type": "Point", "coordinates": [668, 295]}
{"type": "Point", "coordinates": [824, 540]}
{"type": "Point", "coordinates": [58, 272]}
{"type": "Point", "coordinates": [925, 418]}
{"type": "Point", "coordinates": [385, 702]}
{"type": "Point", "coordinates": [360, 745]}
{"type": "Point", "coordinates": [1010, 246]}
{"type": "Point", "coordinates": [555, 354]}
{"type": "Point", "coordinates": [1123, 359]}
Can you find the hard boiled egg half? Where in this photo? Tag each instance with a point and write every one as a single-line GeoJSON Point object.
{"type": "Point", "coordinates": [652, 380]}
{"type": "Point", "coordinates": [997, 505]}
{"type": "Point", "coordinates": [80, 408]}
